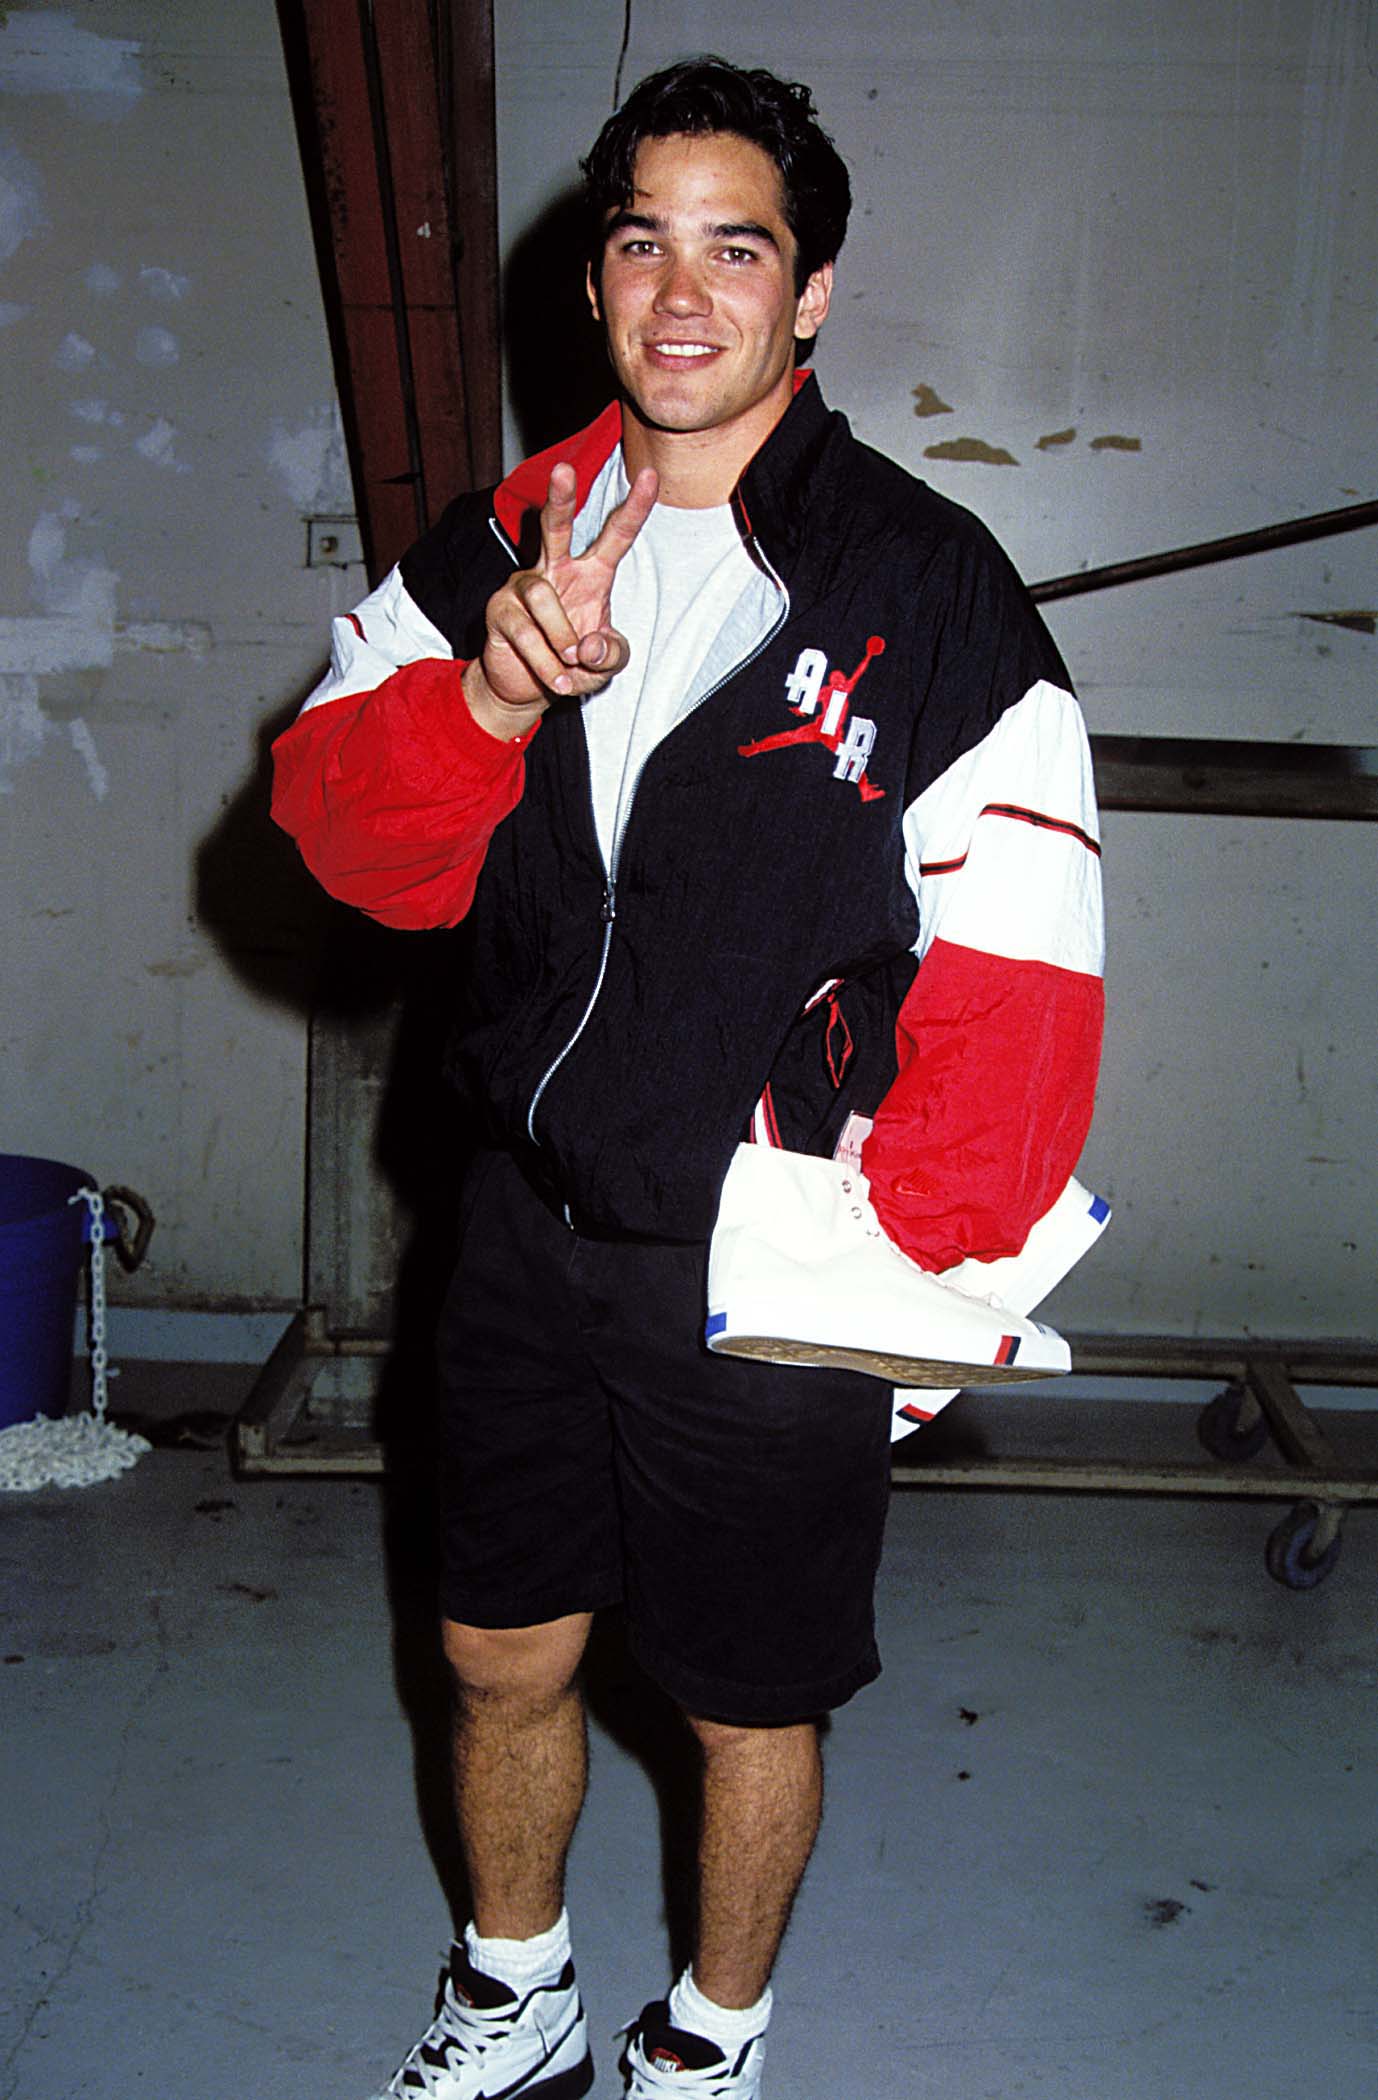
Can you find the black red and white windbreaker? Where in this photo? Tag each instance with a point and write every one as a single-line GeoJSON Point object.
{"type": "Point", "coordinates": [861, 876]}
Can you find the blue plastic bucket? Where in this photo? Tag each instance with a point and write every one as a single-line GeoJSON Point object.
{"type": "Point", "coordinates": [43, 1236]}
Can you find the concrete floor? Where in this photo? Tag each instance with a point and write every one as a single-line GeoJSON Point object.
{"type": "Point", "coordinates": [1107, 1829]}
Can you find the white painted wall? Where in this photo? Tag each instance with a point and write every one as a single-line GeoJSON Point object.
{"type": "Point", "coordinates": [1150, 223]}
{"type": "Point", "coordinates": [168, 418]}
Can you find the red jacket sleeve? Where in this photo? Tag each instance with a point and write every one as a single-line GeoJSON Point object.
{"type": "Point", "coordinates": [393, 791]}
{"type": "Point", "coordinates": [999, 1039]}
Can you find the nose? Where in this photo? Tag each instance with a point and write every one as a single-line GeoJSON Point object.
{"type": "Point", "coordinates": [682, 289]}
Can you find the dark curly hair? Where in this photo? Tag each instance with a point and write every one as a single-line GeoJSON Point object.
{"type": "Point", "coordinates": [708, 94]}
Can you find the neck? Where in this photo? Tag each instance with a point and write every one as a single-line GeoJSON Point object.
{"type": "Point", "coordinates": [698, 469]}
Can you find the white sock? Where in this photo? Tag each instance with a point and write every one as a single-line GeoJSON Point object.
{"type": "Point", "coordinates": [521, 1963]}
{"type": "Point", "coordinates": [696, 2014]}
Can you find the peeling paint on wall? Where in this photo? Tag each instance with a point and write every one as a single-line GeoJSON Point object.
{"type": "Point", "coordinates": [312, 463]}
{"type": "Point", "coordinates": [24, 729]}
{"type": "Point", "coordinates": [84, 744]}
{"type": "Point", "coordinates": [96, 412]}
{"type": "Point", "coordinates": [22, 726]}
{"type": "Point", "coordinates": [1055, 438]}
{"type": "Point", "coordinates": [35, 648]}
{"type": "Point", "coordinates": [971, 452]}
{"type": "Point", "coordinates": [74, 353]}
{"type": "Point", "coordinates": [164, 284]}
{"type": "Point", "coordinates": [44, 52]}
{"type": "Point", "coordinates": [929, 403]}
{"type": "Point", "coordinates": [75, 632]}
{"type": "Point", "coordinates": [21, 201]}
{"type": "Point", "coordinates": [156, 346]}
{"type": "Point", "coordinates": [1115, 443]}
{"type": "Point", "coordinates": [78, 589]}
{"type": "Point", "coordinates": [165, 637]}
{"type": "Point", "coordinates": [156, 446]}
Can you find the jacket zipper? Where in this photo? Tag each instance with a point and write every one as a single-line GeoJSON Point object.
{"type": "Point", "coordinates": [608, 911]}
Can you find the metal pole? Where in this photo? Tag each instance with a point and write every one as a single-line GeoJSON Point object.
{"type": "Point", "coordinates": [1291, 533]}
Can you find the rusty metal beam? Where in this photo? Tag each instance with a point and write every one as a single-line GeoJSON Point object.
{"type": "Point", "coordinates": [378, 157]}
{"type": "Point", "coordinates": [1236, 777]}
{"type": "Point", "coordinates": [469, 122]}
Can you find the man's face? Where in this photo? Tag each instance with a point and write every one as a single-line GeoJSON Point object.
{"type": "Point", "coordinates": [697, 293]}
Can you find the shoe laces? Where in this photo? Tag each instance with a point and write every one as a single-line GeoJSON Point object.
{"type": "Point", "coordinates": [458, 2035]}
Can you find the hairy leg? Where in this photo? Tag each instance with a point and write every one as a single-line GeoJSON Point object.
{"type": "Point", "coordinates": [520, 1764]}
{"type": "Point", "coordinates": [762, 1799]}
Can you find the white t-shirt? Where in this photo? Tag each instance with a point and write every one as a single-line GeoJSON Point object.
{"type": "Point", "coordinates": [676, 586]}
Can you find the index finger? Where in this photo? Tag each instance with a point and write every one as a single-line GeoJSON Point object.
{"type": "Point", "coordinates": [557, 512]}
{"type": "Point", "coordinates": [622, 525]}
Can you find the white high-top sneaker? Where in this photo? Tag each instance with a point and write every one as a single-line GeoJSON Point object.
{"type": "Point", "coordinates": [1022, 1281]}
{"type": "Point", "coordinates": [801, 1272]}
{"type": "Point", "coordinates": [486, 2042]}
{"type": "Point", "coordinates": [662, 2062]}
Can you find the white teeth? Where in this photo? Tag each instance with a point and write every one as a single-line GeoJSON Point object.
{"type": "Point", "coordinates": [684, 349]}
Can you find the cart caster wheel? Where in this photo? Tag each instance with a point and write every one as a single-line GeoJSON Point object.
{"type": "Point", "coordinates": [1218, 1427]}
{"type": "Point", "coordinates": [1289, 1554]}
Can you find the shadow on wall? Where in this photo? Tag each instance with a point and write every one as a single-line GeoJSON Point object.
{"type": "Point", "coordinates": [557, 369]}
{"type": "Point", "coordinates": [294, 946]}
{"type": "Point", "coordinates": [254, 897]}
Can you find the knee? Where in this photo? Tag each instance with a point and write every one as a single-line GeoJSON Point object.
{"type": "Point", "coordinates": [716, 1737]}
{"type": "Point", "coordinates": [726, 1742]}
{"type": "Point", "coordinates": [532, 1665]}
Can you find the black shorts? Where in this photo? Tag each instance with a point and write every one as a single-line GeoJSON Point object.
{"type": "Point", "coordinates": [596, 1453]}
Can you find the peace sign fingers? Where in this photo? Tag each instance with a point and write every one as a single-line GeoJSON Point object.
{"type": "Point", "coordinates": [622, 525]}
{"type": "Point", "coordinates": [557, 515]}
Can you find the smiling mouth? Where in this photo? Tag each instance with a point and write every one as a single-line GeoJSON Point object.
{"type": "Point", "coordinates": [683, 353]}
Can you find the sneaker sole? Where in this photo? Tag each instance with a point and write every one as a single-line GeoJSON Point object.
{"type": "Point", "coordinates": [879, 1363]}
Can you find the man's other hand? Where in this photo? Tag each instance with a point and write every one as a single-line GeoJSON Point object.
{"type": "Point", "coordinates": [548, 628]}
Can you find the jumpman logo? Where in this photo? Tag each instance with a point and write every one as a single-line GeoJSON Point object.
{"type": "Point", "coordinates": [824, 699]}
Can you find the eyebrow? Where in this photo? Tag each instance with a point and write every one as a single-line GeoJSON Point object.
{"type": "Point", "coordinates": [730, 230]}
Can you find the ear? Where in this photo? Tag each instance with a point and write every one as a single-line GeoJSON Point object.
{"type": "Point", "coordinates": [591, 287]}
{"type": "Point", "coordinates": [814, 301]}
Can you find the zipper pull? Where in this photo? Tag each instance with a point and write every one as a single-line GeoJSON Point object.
{"type": "Point", "coordinates": [609, 911]}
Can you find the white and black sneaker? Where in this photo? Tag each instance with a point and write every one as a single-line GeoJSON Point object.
{"type": "Point", "coordinates": [486, 2043]}
{"type": "Point", "coordinates": [663, 2062]}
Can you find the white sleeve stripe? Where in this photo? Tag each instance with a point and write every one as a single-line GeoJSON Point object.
{"type": "Point", "coordinates": [386, 630]}
{"type": "Point", "coordinates": [1029, 885]}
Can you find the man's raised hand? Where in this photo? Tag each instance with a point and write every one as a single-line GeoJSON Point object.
{"type": "Point", "coordinates": [548, 628]}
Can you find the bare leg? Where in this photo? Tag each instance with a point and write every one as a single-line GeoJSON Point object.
{"type": "Point", "coordinates": [762, 1799]}
{"type": "Point", "coordinates": [520, 1765]}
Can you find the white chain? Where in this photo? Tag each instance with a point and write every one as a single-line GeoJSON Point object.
{"type": "Point", "coordinates": [100, 1358]}
{"type": "Point", "coordinates": [79, 1450]}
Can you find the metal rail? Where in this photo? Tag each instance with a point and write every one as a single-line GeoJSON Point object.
{"type": "Point", "coordinates": [1290, 533]}
{"type": "Point", "coordinates": [1236, 777]}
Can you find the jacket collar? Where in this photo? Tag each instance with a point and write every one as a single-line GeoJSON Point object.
{"type": "Point", "coordinates": [587, 452]}
{"type": "Point", "coordinates": [771, 498]}
{"type": "Point", "coordinates": [768, 499]}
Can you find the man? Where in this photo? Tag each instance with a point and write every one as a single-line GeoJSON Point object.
{"type": "Point", "coordinates": [754, 727]}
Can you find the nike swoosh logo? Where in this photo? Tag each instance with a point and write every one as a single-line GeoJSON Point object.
{"type": "Point", "coordinates": [519, 2085]}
